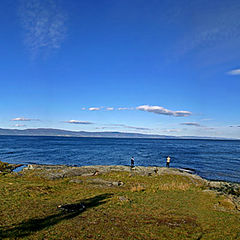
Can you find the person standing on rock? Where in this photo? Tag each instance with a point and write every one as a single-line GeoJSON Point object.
{"type": "Point", "coordinates": [168, 162]}
{"type": "Point", "coordinates": [132, 162]}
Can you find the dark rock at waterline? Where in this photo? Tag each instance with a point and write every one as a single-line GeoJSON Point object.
{"type": "Point", "coordinates": [187, 170]}
{"type": "Point", "coordinates": [225, 188]}
{"type": "Point", "coordinates": [8, 167]}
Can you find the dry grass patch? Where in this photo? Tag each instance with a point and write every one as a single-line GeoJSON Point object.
{"type": "Point", "coordinates": [137, 188]}
{"type": "Point", "coordinates": [174, 186]}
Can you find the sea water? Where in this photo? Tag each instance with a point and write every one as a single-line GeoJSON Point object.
{"type": "Point", "coordinates": [211, 159]}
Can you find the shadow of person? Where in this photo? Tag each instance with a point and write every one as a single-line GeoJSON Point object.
{"type": "Point", "coordinates": [30, 226]}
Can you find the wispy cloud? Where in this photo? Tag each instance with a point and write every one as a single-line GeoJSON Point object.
{"type": "Point", "coordinates": [78, 122]}
{"type": "Point", "coordinates": [234, 72]}
{"type": "Point", "coordinates": [201, 127]}
{"type": "Point", "coordinates": [171, 130]}
{"type": "Point", "coordinates": [109, 108]}
{"type": "Point", "coordinates": [125, 108]}
{"type": "Point", "coordinates": [163, 111]}
{"type": "Point", "coordinates": [191, 124]}
{"type": "Point", "coordinates": [216, 30]}
{"type": "Point", "coordinates": [206, 119]}
{"type": "Point", "coordinates": [137, 128]}
{"type": "Point", "coordinates": [24, 119]}
{"type": "Point", "coordinates": [19, 125]}
{"type": "Point", "coordinates": [44, 25]}
{"type": "Point", "coordinates": [125, 126]}
{"type": "Point", "coordinates": [209, 128]}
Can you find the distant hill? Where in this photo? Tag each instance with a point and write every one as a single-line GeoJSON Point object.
{"type": "Point", "coordinates": [60, 132]}
{"type": "Point", "coordinates": [66, 133]}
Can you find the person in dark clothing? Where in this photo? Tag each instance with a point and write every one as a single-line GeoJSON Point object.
{"type": "Point", "coordinates": [132, 162]}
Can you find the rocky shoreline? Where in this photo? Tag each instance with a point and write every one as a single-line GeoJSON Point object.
{"type": "Point", "coordinates": [60, 171]}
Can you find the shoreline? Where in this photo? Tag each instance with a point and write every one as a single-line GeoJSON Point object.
{"type": "Point", "coordinates": [137, 169]}
{"type": "Point", "coordinates": [190, 172]}
{"type": "Point", "coordinates": [140, 170]}
{"type": "Point", "coordinates": [54, 172]}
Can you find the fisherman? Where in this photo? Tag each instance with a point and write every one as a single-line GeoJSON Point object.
{"type": "Point", "coordinates": [168, 162]}
{"type": "Point", "coordinates": [132, 162]}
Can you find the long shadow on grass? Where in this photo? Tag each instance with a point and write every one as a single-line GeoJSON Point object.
{"type": "Point", "coordinates": [30, 226]}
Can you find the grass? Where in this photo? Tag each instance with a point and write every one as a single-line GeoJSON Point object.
{"type": "Point", "coordinates": [145, 207]}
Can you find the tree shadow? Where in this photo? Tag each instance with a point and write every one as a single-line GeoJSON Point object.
{"type": "Point", "coordinates": [30, 226]}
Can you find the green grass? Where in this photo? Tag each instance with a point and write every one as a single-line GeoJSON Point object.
{"type": "Point", "coordinates": [153, 207]}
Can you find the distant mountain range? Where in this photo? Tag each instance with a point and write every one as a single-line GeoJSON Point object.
{"type": "Point", "coordinates": [66, 133]}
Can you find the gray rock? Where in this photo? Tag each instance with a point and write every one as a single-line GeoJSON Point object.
{"type": "Point", "coordinates": [60, 171]}
{"type": "Point", "coordinates": [104, 183]}
{"type": "Point", "coordinates": [119, 183]}
{"type": "Point", "coordinates": [76, 181]}
{"type": "Point", "coordinates": [123, 199]}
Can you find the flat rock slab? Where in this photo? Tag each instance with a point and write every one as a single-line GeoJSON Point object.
{"type": "Point", "coordinates": [60, 171]}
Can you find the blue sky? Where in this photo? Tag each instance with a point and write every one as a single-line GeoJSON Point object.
{"type": "Point", "coordinates": [163, 67]}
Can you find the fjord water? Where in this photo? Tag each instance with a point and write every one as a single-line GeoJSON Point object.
{"type": "Point", "coordinates": [211, 159]}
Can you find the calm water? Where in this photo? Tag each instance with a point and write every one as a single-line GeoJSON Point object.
{"type": "Point", "coordinates": [212, 159]}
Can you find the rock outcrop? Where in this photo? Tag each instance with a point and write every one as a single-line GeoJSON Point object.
{"type": "Point", "coordinates": [60, 171]}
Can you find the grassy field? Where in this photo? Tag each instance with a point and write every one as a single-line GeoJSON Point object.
{"type": "Point", "coordinates": [144, 207]}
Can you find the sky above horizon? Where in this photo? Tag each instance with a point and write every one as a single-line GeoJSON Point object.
{"type": "Point", "coordinates": [155, 67]}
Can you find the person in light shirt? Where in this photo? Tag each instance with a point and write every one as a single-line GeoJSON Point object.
{"type": "Point", "coordinates": [168, 161]}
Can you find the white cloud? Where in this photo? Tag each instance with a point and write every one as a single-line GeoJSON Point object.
{"type": "Point", "coordinates": [94, 108]}
{"type": "Point", "coordinates": [234, 72]}
{"type": "Point", "coordinates": [109, 108]}
{"type": "Point", "coordinates": [24, 119]}
{"type": "Point", "coordinates": [78, 122]}
{"type": "Point", "coordinates": [43, 22]}
{"type": "Point", "coordinates": [164, 111]}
